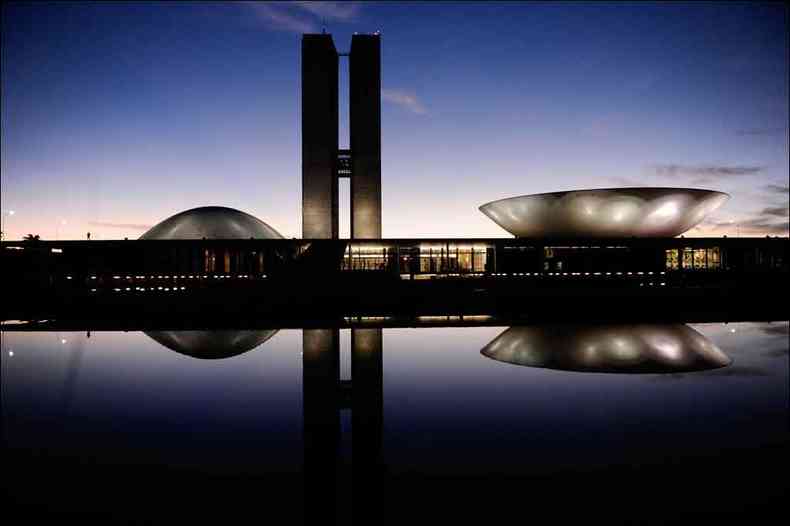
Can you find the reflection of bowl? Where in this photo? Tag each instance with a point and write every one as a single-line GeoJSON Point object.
{"type": "Point", "coordinates": [211, 344]}
{"type": "Point", "coordinates": [615, 212]}
{"type": "Point", "coordinates": [608, 348]}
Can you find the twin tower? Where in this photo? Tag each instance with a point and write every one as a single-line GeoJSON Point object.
{"type": "Point", "coordinates": [323, 163]}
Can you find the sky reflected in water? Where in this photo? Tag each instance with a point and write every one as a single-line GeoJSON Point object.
{"type": "Point", "coordinates": [447, 409]}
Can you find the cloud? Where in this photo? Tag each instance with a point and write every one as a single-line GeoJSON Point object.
{"type": "Point", "coordinates": [123, 226]}
{"type": "Point", "coordinates": [760, 225]}
{"type": "Point", "coordinates": [301, 17]}
{"type": "Point", "coordinates": [779, 211]}
{"type": "Point", "coordinates": [713, 171]}
{"type": "Point", "coordinates": [704, 173]}
{"type": "Point", "coordinates": [763, 227]}
{"type": "Point", "coordinates": [404, 99]}
{"type": "Point", "coordinates": [331, 10]}
{"type": "Point", "coordinates": [761, 131]}
{"type": "Point", "coordinates": [777, 189]}
{"type": "Point", "coordinates": [279, 16]}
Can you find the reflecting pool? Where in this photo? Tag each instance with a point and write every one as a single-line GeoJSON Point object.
{"type": "Point", "coordinates": [656, 418]}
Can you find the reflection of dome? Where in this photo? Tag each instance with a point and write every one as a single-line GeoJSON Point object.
{"type": "Point", "coordinates": [211, 344]}
{"type": "Point", "coordinates": [608, 348]}
{"type": "Point", "coordinates": [614, 212]}
{"type": "Point", "coordinates": [212, 222]}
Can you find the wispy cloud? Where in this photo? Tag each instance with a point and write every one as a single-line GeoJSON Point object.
{"type": "Point", "coordinates": [331, 10]}
{"type": "Point", "coordinates": [122, 226]}
{"type": "Point", "coordinates": [404, 99]}
{"type": "Point", "coordinates": [761, 131]}
{"type": "Point", "coordinates": [302, 17]}
{"type": "Point", "coordinates": [279, 16]}
{"type": "Point", "coordinates": [761, 226]}
{"type": "Point", "coordinates": [778, 189]}
{"type": "Point", "coordinates": [704, 173]}
{"type": "Point", "coordinates": [708, 170]}
{"type": "Point", "coordinates": [757, 226]}
{"type": "Point", "coordinates": [779, 211]}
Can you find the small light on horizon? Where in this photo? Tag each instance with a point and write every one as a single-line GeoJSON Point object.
{"type": "Point", "coordinates": [63, 341]}
{"type": "Point", "coordinates": [11, 212]}
{"type": "Point", "coordinates": [10, 353]}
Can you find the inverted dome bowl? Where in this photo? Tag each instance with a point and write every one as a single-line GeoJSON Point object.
{"type": "Point", "coordinates": [640, 348]}
{"type": "Point", "coordinates": [610, 212]}
{"type": "Point", "coordinates": [211, 345]}
{"type": "Point", "coordinates": [212, 222]}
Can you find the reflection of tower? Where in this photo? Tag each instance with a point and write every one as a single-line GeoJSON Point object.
{"type": "Point", "coordinates": [320, 374]}
{"type": "Point", "coordinates": [322, 162]}
{"type": "Point", "coordinates": [322, 404]}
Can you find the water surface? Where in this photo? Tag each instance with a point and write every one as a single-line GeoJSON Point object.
{"type": "Point", "coordinates": [225, 403]}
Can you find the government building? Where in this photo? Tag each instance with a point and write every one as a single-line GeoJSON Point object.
{"type": "Point", "coordinates": [599, 239]}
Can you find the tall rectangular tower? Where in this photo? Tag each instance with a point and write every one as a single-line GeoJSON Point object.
{"type": "Point", "coordinates": [322, 162]}
{"type": "Point", "coordinates": [319, 137]}
{"type": "Point", "coordinates": [365, 128]}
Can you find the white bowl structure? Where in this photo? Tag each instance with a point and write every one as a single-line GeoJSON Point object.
{"type": "Point", "coordinates": [609, 212]}
{"type": "Point", "coordinates": [212, 222]}
{"type": "Point", "coordinates": [641, 348]}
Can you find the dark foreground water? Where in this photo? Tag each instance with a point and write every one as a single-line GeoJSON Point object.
{"type": "Point", "coordinates": [644, 423]}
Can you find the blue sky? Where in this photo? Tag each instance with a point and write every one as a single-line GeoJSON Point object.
{"type": "Point", "coordinates": [115, 116]}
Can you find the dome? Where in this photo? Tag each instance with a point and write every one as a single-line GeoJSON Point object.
{"type": "Point", "coordinates": [211, 345]}
{"type": "Point", "coordinates": [612, 212]}
{"type": "Point", "coordinates": [642, 348]}
{"type": "Point", "coordinates": [212, 222]}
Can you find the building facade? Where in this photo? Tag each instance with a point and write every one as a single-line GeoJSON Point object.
{"type": "Point", "coordinates": [323, 162]}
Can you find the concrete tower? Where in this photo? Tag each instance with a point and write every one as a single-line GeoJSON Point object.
{"type": "Point", "coordinates": [364, 65]}
{"type": "Point", "coordinates": [322, 162]}
{"type": "Point", "coordinates": [319, 137]}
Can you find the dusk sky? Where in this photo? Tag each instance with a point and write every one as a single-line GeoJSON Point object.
{"type": "Point", "coordinates": [116, 116]}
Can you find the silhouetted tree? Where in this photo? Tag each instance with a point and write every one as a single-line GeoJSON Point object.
{"type": "Point", "coordinates": [31, 237]}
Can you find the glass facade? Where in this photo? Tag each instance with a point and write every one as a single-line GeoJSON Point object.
{"type": "Point", "coordinates": [672, 262]}
{"type": "Point", "coordinates": [93, 262]}
{"type": "Point", "coordinates": [689, 258]}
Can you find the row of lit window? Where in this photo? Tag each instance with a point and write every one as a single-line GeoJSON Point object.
{"type": "Point", "coordinates": [144, 289]}
{"type": "Point", "coordinates": [535, 274]}
{"type": "Point", "coordinates": [183, 276]}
